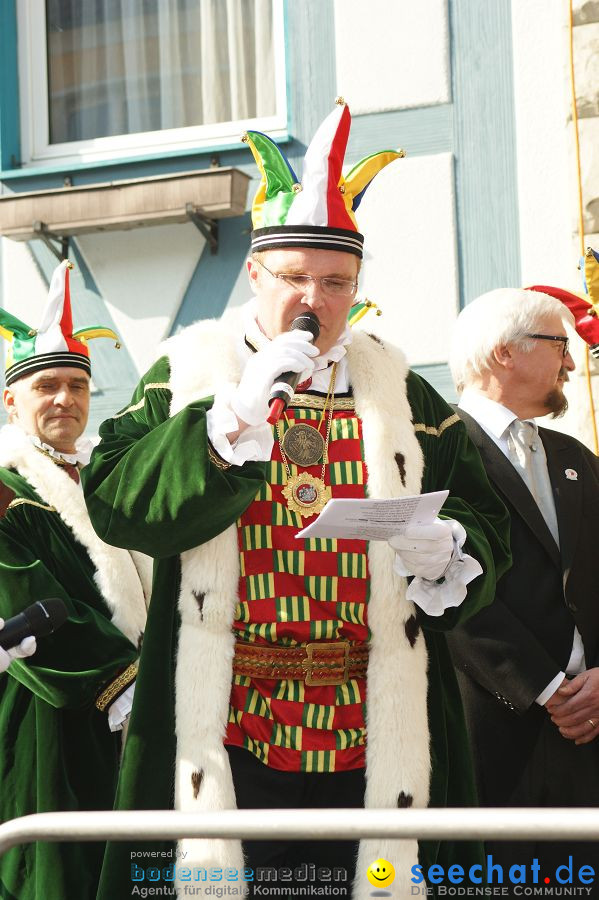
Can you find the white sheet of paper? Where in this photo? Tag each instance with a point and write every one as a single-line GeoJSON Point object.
{"type": "Point", "coordinates": [374, 520]}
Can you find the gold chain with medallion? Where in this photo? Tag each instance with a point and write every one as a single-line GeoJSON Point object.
{"type": "Point", "coordinates": [304, 445]}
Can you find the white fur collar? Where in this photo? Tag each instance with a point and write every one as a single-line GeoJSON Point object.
{"type": "Point", "coordinates": [116, 574]}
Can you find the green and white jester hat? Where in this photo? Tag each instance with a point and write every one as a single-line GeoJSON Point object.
{"type": "Point", "coordinates": [319, 211]}
{"type": "Point", "coordinates": [53, 343]}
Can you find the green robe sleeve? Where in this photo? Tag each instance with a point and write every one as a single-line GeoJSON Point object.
{"type": "Point", "coordinates": [452, 462]}
{"type": "Point", "coordinates": [154, 483]}
{"type": "Point", "coordinates": [71, 667]}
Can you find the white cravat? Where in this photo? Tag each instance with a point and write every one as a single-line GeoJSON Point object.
{"type": "Point", "coordinates": [527, 454]}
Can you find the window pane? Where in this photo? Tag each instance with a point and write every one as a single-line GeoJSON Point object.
{"type": "Point", "coordinates": [126, 66]}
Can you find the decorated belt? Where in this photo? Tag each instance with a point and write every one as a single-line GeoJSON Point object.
{"type": "Point", "coordinates": [315, 663]}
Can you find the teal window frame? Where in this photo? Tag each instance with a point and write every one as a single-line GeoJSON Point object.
{"type": "Point", "coordinates": [120, 166]}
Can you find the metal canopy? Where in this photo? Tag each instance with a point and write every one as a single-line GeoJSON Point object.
{"type": "Point", "coordinates": [54, 216]}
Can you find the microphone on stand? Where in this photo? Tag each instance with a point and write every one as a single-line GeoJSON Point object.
{"type": "Point", "coordinates": [39, 619]}
{"type": "Point", "coordinates": [284, 387]}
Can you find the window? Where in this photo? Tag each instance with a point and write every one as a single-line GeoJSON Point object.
{"type": "Point", "coordinates": [107, 79]}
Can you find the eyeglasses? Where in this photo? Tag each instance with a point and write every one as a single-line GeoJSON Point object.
{"type": "Point", "coordinates": [553, 337]}
{"type": "Point", "coordinates": [339, 287]}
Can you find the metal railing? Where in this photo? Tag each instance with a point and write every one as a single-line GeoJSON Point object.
{"type": "Point", "coordinates": [299, 824]}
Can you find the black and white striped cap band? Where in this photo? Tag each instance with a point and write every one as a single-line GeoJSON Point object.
{"type": "Point", "coordinates": [317, 237]}
{"type": "Point", "coordinates": [56, 360]}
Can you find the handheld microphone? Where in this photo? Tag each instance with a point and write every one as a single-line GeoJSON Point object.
{"type": "Point", "coordinates": [283, 388]}
{"type": "Point", "coordinates": [39, 619]}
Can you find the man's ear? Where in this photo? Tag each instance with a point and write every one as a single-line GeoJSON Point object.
{"type": "Point", "coordinates": [8, 398]}
{"type": "Point", "coordinates": [503, 356]}
{"type": "Point", "coordinates": [252, 270]}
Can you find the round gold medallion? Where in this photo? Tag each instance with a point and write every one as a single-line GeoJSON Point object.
{"type": "Point", "coordinates": [306, 494]}
{"type": "Point", "coordinates": [303, 444]}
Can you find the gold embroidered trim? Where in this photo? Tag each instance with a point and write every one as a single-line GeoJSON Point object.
{"type": "Point", "coordinates": [309, 401]}
{"type": "Point", "coordinates": [430, 429]}
{"type": "Point", "coordinates": [140, 403]}
{"type": "Point", "coordinates": [217, 460]}
{"type": "Point", "coordinates": [116, 687]}
{"type": "Point", "coordinates": [130, 409]}
{"type": "Point", "coordinates": [61, 463]}
{"type": "Point", "coordinates": [21, 500]}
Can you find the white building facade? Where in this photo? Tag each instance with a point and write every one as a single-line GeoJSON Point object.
{"type": "Point", "coordinates": [476, 93]}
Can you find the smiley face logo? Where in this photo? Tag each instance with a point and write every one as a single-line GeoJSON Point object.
{"type": "Point", "coordinates": [380, 873]}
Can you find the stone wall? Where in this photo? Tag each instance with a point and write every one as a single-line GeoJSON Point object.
{"type": "Point", "coordinates": [586, 69]}
{"type": "Point", "coordinates": [586, 72]}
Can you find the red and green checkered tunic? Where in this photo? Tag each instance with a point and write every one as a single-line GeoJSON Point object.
{"type": "Point", "coordinates": [293, 592]}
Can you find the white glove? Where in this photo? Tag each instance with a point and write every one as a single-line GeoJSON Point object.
{"type": "Point", "coordinates": [292, 351]}
{"type": "Point", "coordinates": [424, 550]}
{"type": "Point", "coordinates": [25, 648]}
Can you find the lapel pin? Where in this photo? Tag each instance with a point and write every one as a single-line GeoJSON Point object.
{"type": "Point", "coordinates": [571, 474]}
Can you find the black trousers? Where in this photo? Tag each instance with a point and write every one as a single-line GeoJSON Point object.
{"type": "Point", "coordinates": [259, 787]}
{"type": "Point", "coordinates": [557, 773]}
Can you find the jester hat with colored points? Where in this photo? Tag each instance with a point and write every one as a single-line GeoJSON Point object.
{"type": "Point", "coordinates": [53, 343]}
{"type": "Point", "coordinates": [584, 309]}
{"type": "Point", "coordinates": [319, 211]}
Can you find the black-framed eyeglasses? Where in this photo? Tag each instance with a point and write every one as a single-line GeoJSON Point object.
{"type": "Point", "coordinates": [338, 287]}
{"type": "Point", "coordinates": [553, 337]}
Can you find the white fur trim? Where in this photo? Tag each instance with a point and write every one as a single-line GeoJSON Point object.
{"type": "Point", "coordinates": [397, 747]}
{"type": "Point", "coordinates": [145, 570]}
{"type": "Point", "coordinates": [116, 575]}
{"type": "Point", "coordinates": [201, 373]}
{"type": "Point", "coordinates": [209, 579]}
{"type": "Point", "coordinates": [398, 756]}
{"type": "Point", "coordinates": [206, 641]}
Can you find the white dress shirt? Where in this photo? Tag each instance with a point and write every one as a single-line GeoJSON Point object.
{"type": "Point", "coordinates": [495, 420]}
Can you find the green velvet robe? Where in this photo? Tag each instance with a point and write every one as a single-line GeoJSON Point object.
{"type": "Point", "coordinates": [56, 750]}
{"type": "Point", "coordinates": [153, 485]}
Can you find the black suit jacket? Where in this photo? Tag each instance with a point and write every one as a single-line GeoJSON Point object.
{"type": "Point", "coordinates": [510, 651]}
